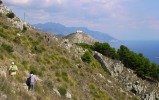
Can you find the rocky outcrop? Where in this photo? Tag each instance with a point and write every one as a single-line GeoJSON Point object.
{"type": "Point", "coordinates": [145, 89]}
{"type": "Point", "coordinates": [16, 22]}
{"type": "Point", "coordinates": [113, 68]}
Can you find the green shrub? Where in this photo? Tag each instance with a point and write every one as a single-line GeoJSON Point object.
{"type": "Point", "coordinates": [38, 49]}
{"type": "Point", "coordinates": [2, 33]}
{"type": "Point", "coordinates": [6, 47]}
{"type": "Point", "coordinates": [87, 57]}
{"type": "Point", "coordinates": [62, 90]}
{"type": "Point", "coordinates": [10, 15]}
{"type": "Point", "coordinates": [1, 2]}
{"type": "Point", "coordinates": [24, 28]}
{"type": "Point", "coordinates": [36, 71]}
{"type": "Point", "coordinates": [97, 93]}
{"type": "Point", "coordinates": [85, 46]}
{"type": "Point", "coordinates": [17, 40]}
{"type": "Point", "coordinates": [49, 84]}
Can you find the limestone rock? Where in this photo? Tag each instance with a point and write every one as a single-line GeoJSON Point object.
{"type": "Point", "coordinates": [57, 92]}
{"type": "Point", "coordinates": [68, 95]}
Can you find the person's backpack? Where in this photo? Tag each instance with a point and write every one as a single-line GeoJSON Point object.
{"type": "Point", "coordinates": [28, 81]}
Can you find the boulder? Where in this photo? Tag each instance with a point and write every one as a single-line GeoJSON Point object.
{"type": "Point", "coordinates": [68, 95]}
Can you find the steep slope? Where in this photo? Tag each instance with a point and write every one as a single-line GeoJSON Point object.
{"type": "Point", "coordinates": [61, 30]}
{"type": "Point", "coordinates": [61, 74]}
{"type": "Point", "coordinates": [80, 37]}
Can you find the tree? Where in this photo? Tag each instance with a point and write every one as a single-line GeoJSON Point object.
{"type": "Point", "coordinates": [105, 49]}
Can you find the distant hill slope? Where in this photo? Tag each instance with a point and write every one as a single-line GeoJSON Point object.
{"type": "Point", "coordinates": [61, 30]}
{"type": "Point", "coordinates": [80, 37]}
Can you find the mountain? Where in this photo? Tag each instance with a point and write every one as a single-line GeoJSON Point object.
{"type": "Point", "coordinates": [63, 69]}
{"type": "Point", "coordinates": [80, 37]}
{"type": "Point", "coordinates": [61, 30]}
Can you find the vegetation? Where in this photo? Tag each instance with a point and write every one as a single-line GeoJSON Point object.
{"type": "Point", "coordinates": [62, 90]}
{"type": "Point", "coordinates": [10, 15]}
{"type": "Point", "coordinates": [1, 2]}
{"type": "Point", "coordinates": [24, 28]}
{"type": "Point", "coordinates": [137, 62]}
{"type": "Point", "coordinates": [87, 57]}
{"type": "Point", "coordinates": [6, 47]}
{"type": "Point", "coordinates": [105, 49]}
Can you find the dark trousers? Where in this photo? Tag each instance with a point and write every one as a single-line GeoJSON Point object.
{"type": "Point", "coordinates": [31, 88]}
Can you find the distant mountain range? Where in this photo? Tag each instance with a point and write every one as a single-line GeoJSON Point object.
{"type": "Point", "coordinates": [61, 30]}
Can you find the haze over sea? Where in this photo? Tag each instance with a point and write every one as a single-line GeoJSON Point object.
{"type": "Point", "coordinates": [149, 48]}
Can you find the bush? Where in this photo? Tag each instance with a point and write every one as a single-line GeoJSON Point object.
{"type": "Point", "coordinates": [6, 47]}
{"type": "Point", "coordinates": [10, 15]}
{"type": "Point", "coordinates": [87, 57]}
{"type": "Point", "coordinates": [24, 28]}
{"type": "Point", "coordinates": [1, 2]}
{"type": "Point", "coordinates": [62, 90]}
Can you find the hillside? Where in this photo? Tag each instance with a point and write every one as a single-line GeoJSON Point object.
{"type": "Point", "coordinates": [64, 70]}
{"type": "Point", "coordinates": [61, 30]}
{"type": "Point", "coordinates": [80, 37]}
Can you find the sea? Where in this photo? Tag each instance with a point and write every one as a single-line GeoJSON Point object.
{"type": "Point", "coordinates": [149, 48]}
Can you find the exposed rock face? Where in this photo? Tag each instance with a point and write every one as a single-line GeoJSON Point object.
{"type": "Point", "coordinates": [146, 90]}
{"type": "Point", "coordinates": [80, 37]}
{"type": "Point", "coordinates": [114, 69]}
{"type": "Point", "coordinates": [16, 22]}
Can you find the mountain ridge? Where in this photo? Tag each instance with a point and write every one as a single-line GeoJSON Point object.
{"type": "Point", "coordinates": [59, 29]}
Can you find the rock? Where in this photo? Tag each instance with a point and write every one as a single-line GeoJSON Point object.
{"type": "Point", "coordinates": [118, 68]}
{"type": "Point", "coordinates": [100, 58]}
{"type": "Point", "coordinates": [57, 92]}
{"type": "Point", "coordinates": [25, 86]}
{"type": "Point", "coordinates": [3, 97]}
{"type": "Point", "coordinates": [109, 81]}
{"type": "Point", "coordinates": [100, 75]}
{"type": "Point", "coordinates": [68, 95]}
{"type": "Point", "coordinates": [3, 73]}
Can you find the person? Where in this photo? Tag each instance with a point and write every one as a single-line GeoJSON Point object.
{"type": "Point", "coordinates": [32, 84]}
{"type": "Point", "coordinates": [13, 69]}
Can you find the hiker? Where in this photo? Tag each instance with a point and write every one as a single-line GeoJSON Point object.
{"type": "Point", "coordinates": [48, 40]}
{"type": "Point", "coordinates": [32, 82]}
{"type": "Point", "coordinates": [13, 69]}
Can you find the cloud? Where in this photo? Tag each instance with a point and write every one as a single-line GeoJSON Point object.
{"type": "Point", "coordinates": [23, 2]}
{"type": "Point", "coordinates": [39, 14]}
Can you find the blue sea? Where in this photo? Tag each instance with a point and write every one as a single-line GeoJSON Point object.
{"type": "Point", "coordinates": [149, 48]}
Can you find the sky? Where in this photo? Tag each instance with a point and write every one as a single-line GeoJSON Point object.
{"type": "Point", "coordinates": [122, 19]}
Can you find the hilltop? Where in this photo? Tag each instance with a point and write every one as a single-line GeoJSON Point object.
{"type": "Point", "coordinates": [80, 37]}
{"type": "Point", "coordinates": [64, 70]}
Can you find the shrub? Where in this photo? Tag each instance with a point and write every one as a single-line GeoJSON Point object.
{"type": "Point", "coordinates": [87, 57]}
{"type": "Point", "coordinates": [36, 70]}
{"type": "Point", "coordinates": [24, 28]}
{"type": "Point", "coordinates": [49, 84]}
{"type": "Point", "coordinates": [62, 90]}
{"type": "Point", "coordinates": [6, 47]}
{"type": "Point", "coordinates": [10, 15]}
{"type": "Point", "coordinates": [1, 2]}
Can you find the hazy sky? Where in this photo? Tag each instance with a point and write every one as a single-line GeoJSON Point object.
{"type": "Point", "coordinates": [122, 19]}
